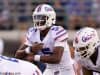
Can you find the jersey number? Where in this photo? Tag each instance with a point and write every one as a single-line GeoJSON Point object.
{"type": "Point", "coordinates": [47, 51]}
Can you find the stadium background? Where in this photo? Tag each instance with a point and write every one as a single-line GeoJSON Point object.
{"type": "Point", "coordinates": [16, 18]}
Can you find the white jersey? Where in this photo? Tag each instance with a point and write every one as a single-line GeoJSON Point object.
{"type": "Point", "coordinates": [95, 73]}
{"type": "Point", "coordinates": [88, 63]}
{"type": "Point", "coordinates": [55, 35]}
{"type": "Point", "coordinates": [13, 66]}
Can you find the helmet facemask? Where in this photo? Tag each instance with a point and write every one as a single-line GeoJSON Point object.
{"type": "Point", "coordinates": [40, 21]}
{"type": "Point", "coordinates": [86, 51]}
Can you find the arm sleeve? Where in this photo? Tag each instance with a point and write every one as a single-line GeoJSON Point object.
{"type": "Point", "coordinates": [61, 37]}
{"type": "Point", "coordinates": [61, 34]}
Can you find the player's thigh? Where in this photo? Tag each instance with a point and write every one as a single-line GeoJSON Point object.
{"type": "Point", "coordinates": [59, 72]}
{"type": "Point", "coordinates": [67, 72]}
{"type": "Point", "coordinates": [52, 72]}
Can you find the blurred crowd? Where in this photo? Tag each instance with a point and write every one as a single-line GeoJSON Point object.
{"type": "Point", "coordinates": [80, 13]}
{"type": "Point", "coordinates": [71, 14]}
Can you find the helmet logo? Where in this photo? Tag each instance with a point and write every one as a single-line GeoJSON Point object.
{"type": "Point", "coordinates": [88, 37]}
{"type": "Point", "coordinates": [39, 9]}
{"type": "Point", "coordinates": [48, 9]}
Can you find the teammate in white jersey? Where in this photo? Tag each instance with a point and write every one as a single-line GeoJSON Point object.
{"type": "Point", "coordinates": [87, 48]}
{"type": "Point", "coordinates": [13, 66]}
{"type": "Point", "coordinates": [50, 41]}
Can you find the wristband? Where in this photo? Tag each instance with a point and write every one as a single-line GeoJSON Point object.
{"type": "Point", "coordinates": [27, 50]}
{"type": "Point", "coordinates": [37, 57]}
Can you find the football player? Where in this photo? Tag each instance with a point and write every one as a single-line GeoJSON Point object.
{"type": "Point", "coordinates": [87, 51]}
{"type": "Point", "coordinates": [13, 66]}
{"type": "Point", "coordinates": [48, 40]}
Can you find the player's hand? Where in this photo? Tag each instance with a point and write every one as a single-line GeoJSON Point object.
{"type": "Point", "coordinates": [30, 57]}
{"type": "Point", "coordinates": [20, 54]}
{"type": "Point", "coordinates": [37, 47]}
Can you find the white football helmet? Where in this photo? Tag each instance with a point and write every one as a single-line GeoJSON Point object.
{"type": "Point", "coordinates": [43, 16]}
{"type": "Point", "coordinates": [85, 42]}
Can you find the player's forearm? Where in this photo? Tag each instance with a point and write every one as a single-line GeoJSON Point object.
{"type": "Point", "coordinates": [45, 59]}
{"type": "Point", "coordinates": [50, 59]}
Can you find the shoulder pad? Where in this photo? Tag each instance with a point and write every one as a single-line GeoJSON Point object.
{"type": "Point", "coordinates": [56, 28]}
{"type": "Point", "coordinates": [31, 29]}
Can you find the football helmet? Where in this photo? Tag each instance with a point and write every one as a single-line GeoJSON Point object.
{"type": "Point", "coordinates": [43, 16]}
{"type": "Point", "coordinates": [85, 42]}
